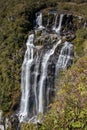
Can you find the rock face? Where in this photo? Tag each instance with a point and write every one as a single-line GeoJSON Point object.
{"type": "Point", "coordinates": [5, 123]}
{"type": "Point", "coordinates": [14, 122]}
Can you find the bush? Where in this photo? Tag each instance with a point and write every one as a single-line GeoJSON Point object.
{"type": "Point", "coordinates": [81, 37]}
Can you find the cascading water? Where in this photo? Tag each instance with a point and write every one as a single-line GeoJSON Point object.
{"type": "Point", "coordinates": [65, 57]}
{"type": "Point", "coordinates": [55, 23]}
{"type": "Point", "coordinates": [39, 21]}
{"type": "Point", "coordinates": [35, 82]}
{"type": "Point", "coordinates": [60, 24]}
{"type": "Point", "coordinates": [25, 78]}
{"type": "Point", "coordinates": [55, 28]}
{"type": "Point", "coordinates": [44, 75]}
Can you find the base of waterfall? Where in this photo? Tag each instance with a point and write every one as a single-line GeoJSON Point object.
{"type": "Point", "coordinates": [35, 119]}
{"type": "Point", "coordinates": [41, 27]}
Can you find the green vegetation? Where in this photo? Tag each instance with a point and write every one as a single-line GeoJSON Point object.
{"type": "Point", "coordinates": [74, 8]}
{"type": "Point", "coordinates": [81, 42]}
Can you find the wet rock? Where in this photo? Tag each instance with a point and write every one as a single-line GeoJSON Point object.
{"type": "Point", "coordinates": [54, 37]}
{"type": "Point", "coordinates": [70, 37]}
{"type": "Point", "coordinates": [85, 24]}
{"type": "Point", "coordinates": [14, 122]}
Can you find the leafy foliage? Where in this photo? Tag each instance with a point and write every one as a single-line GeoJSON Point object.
{"type": "Point", "coordinates": [81, 42]}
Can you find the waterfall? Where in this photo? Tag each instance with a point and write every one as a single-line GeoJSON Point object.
{"type": "Point", "coordinates": [55, 23]}
{"type": "Point", "coordinates": [39, 21]}
{"type": "Point", "coordinates": [55, 28]}
{"type": "Point", "coordinates": [25, 78]}
{"type": "Point", "coordinates": [36, 81]}
{"type": "Point", "coordinates": [37, 71]}
{"type": "Point", "coordinates": [60, 24]}
{"type": "Point", "coordinates": [44, 75]}
{"type": "Point", "coordinates": [66, 56]}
